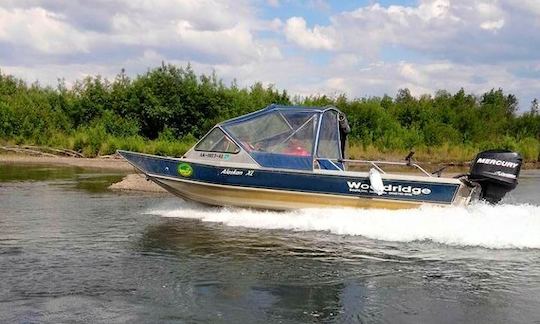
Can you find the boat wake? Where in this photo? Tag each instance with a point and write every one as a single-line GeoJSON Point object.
{"type": "Point", "coordinates": [496, 227]}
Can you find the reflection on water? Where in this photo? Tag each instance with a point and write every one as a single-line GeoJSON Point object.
{"type": "Point", "coordinates": [90, 180]}
{"type": "Point", "coordinates": [18, 172]}
{"type": "Point", "coordinates": [72, 251]}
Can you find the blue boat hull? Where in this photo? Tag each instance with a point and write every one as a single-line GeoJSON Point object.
{"type": "Point", "coordinates": [282, 189]}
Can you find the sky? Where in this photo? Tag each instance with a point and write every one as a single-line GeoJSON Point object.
{"type": "Point", "coordinates": [359, 48]}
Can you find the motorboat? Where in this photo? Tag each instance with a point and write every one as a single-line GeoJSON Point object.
{"type": "Point", "coordinates": [290, 157]}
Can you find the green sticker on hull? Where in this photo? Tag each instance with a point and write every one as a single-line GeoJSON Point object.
{"type": "Point", "coordinates": [185, 170]}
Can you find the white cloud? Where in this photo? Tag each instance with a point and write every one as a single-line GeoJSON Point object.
{"type": "Point", "coordinates": [412, 75]}
{"type": "Point", "coordinates": [210, 30]}
{"type": "Point", "coordinates": [316, 38]}
{"type": "Point", "coordinates": [49, 74]}
{"type": "Point", "coordinates": [43, 30]}
{"type": "Point", "coordinates": [237, 40]}
{"type": "Point", "coordinates": [371, 50]}
{"type": "Point", "coordinates": [532, 6]}
{"type": "Point", "coordinates": [472, 30]}
{"type": "Point", "coordinates": [492, 15]}
{"type": "Point", "coordinates": [492, 24]}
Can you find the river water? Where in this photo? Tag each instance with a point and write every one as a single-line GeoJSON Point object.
{"type": "Point", "coordinates": [72, 251]}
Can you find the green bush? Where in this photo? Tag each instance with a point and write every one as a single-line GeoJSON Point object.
{"type": "Point", "coordinates": [165, 110]}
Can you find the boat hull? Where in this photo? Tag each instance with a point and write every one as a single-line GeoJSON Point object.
{"type": "Point", "coordinates": [223, 195]}
{"type": "Point", "coordinates": [224, 185]}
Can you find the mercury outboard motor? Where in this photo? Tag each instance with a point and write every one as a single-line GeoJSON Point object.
{"type": "Point", "coordinates": [497, 172]}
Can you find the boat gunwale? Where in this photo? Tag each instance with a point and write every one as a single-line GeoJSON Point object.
{"type": "Point", "coordinates": [343, 173]}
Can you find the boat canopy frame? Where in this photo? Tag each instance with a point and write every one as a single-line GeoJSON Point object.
{"type": "Point", "coordinates": [287, 126]}
{"type": "Point", "coordinates": [311, 160]}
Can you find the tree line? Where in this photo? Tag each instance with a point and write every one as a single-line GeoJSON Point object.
{"type": "Point", "coordinates": [166, 109]}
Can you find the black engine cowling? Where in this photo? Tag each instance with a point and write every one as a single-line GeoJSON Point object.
{"type": "Point", "coordinates": [497, 172]}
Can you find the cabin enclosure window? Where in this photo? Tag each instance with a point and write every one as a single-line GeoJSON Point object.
{"type": "Point", "coordinates": [277, 132]}
{"type": "Point", "coordinates": [329, 145]}
{"type": "Point", "coordinates": [217, 141]}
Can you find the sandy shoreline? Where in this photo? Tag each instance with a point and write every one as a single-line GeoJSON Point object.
{"type": "Point", "coordinates": [136, 182]}
{"type": "Point", "coordinates": [91, 163]}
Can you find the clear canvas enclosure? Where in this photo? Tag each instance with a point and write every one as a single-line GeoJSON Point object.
{"type": "Point", "coordinates": [217, 141]}
{"type": "Point", "coordinates": [281, 137]}
{"type": "Point", "coordinates": [277, 132]}
{"type": "Point", "coordinates": [329, 136]}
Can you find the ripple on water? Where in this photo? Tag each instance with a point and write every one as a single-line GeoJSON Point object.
{"type": "Point", "coordinates": [67, 252]}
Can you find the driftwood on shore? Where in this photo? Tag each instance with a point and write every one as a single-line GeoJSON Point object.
{"type": "Point", "coordinates": [41, 151]}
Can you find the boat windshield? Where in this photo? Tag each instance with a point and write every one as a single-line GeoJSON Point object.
{"type": "Point", "coordinates": [278, 132]}
{"type": "Point", "coordinates": [217, 141]}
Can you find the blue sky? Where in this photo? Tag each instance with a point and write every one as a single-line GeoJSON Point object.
{"type": "Point", "coordinates": [318, 12]}
{"type": "Point", "coordinates": [359, 48]}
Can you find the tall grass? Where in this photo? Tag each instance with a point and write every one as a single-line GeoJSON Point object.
{"type": "Point", "coordinates": [528, 148]}
{"type": "Point", "coordinates": [107, 144]}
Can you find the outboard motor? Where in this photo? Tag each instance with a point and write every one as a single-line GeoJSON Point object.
{"type": "Point", "coordinates": [496, 171]}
